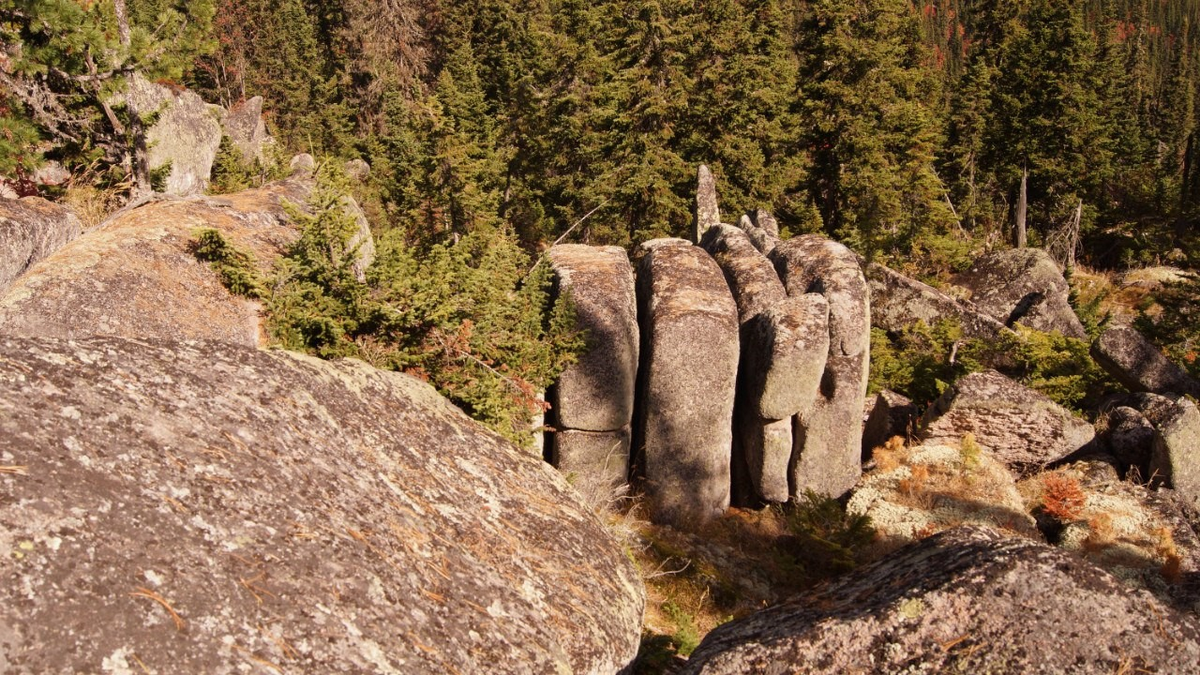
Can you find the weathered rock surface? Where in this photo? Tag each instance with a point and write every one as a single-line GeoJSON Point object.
{"type": "Point", "coordinates": [751, 277]}
{"type": "Point", "coordinates": [207, 507]}
{"type": "Point", "coordinates": [186, 135]}
{"type": "Point", "coordinates": [891, 414]}
{"type": "Point", "coordinates": [1129, 438]}
{"type": "Point", "coordinates": [827, 455]}
{"type": "Point", "coordinates": [1021, 427]}
{"type": "Point", "coordinates": [31, 228]}
{"type": "Point", "coordinates": [244, 125]}
{"type": "Point", "coordinates": [1023, 285]}
{"type": "Point", "coordinates": [766, 222]}
{"type": "Point", "coordinates": [765, 451]}
{"type": "Point", "coordinates": [596, 392]}
{"type": "Point", "coordinates": [967, 600]}
{"type": "Point", "coordinates": [689, 328]}
{"type": "Point", "coordinates": [136, 276]}
{"type": "Point", "coordinates": [785, 350]}
{"type": "Point", "coordinates": [1175, 459]}
{"type": "Point", "coordinates": [1136, 363]}
{"type": "Point", "coordinates": [707, 211]}
{"type": "Point", "coordinates": [898, 302]}
{"type": "Point", "coordinates": [595, 462]}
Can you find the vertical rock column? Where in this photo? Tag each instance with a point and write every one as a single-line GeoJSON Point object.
{"type": "Point", "coordinates": [592, 402]}
{"type": "Point", "coordinates": [828, 439]}
{"type": "Point", "coordinates": [784, 342]}
{"type": "Point", "coordinates": [689, 367]}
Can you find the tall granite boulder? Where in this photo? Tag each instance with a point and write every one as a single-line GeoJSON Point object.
{"type": "Point", "coordinates": [592, 402]}
{"type": "Point", "coordinates": [1136, 363]}
{"type": "Point", "coordinates": [784, 354]}
{"type": "Point", "coordinates": [1021, 427]}
{"type": "Point", "coordinates": [205, 507]}
{"type": "Point", "coordinates": [31, 228]}
{"type": "Point", "coordinates": [243, 124]}
{"type": "Point", "coordinates": [137, 277]}
{"type": "Point", "coordinates": [898, 302]}
{"type": "Point", "coordinates": [967, 600]}
{"type": "Point", "coordinates": [185, 136]}
{"type": "Point", "coordinates": [828, 438]}
{"type": "Point", "coordinates": [689, 362]}
{"type": "Point", "coordinates": [1023, 285]}
{"type": "Point", "coordinates": [706, 211]}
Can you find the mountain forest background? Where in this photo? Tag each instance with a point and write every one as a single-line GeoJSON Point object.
{"type": "Point", "coordinates": [916, 133]}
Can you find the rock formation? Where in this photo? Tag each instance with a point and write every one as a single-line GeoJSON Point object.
{"type": "Point", "coordinates": [31, 228]}
{"type": "Point", "coordinates": [1175, 459]}
{"type": "Point", "coordinates": [1136, 363]}
{"type": "Point", "coordinates": [898, 302]}
{"type": "Point", "coordinates": [751, 277]}
{"type": "Point", "coordinates": [244, 126]}
{"type": "Point", "coordinates": [689, 360]}
{"type": "Point", "coordinates": [1022, 285]}
{"type": "Point", "coordinates": [967, 600]}
{"type": "Point", "coordinates": [706, 211]}
{"type": "Point", "coordinates": [1021, 427]}
{"type": "Point", "coordinates": [828, 439]}
{"type": "Point", "coordinates": [209, 507]}
{"type": "Point", "coordinates": [136, 276]}
{"type": "Point", "coordinates": [592, 402]}
{"type": "Point", "coordinates": [185, 136]}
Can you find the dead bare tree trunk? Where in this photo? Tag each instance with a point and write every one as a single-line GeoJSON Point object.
{"type": "Point", "coordinates": [1019, 238]}
{"type": "Point", "coordinates": [1073, 239]}
{"type": "Point", "coordinates": [139, 162]}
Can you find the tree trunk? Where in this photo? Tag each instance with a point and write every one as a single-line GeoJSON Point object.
{"type": "Point", "coordinates": [1073, 240]}
{"type": "Point", "coordinates": [139, 162]}
{"type": "Point", "coordinates": [1019, 240]}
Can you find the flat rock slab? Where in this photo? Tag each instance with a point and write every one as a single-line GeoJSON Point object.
{"type": "Point", "coordinates": [898, 302]}
{"type": "Point", "coordinates": [1135, 362]}
{"type": "Point", "coordinates": [596, 392]}
{"type": "Point", "coordinates": [968, 600]}
{"type": "Point", "coordinates": [137, 277]}
{"type": "Point", "coordinates": [205, 507]}
{"type": "Point", "coordinates": [31, 228]}
{"type": "Point", "coordinates": [1021, 427]}
{"type": "Point", "coordinates": [1023, 285]}
{"type": "Point", "coordinates": [689, 368]}
{"type": "Point", "coordinates": [751, 277]}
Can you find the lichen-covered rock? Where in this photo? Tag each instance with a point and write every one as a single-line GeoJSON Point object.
{"type": "Point", "coordinates": [596, 392]}
{"type": "Point", "coordinates": [1136, 363]}
{"type": "Point", "coordinates": [827, 457]}
{"type": "Point", "coordinates": [1175, 458]}
{"type": "Point", "coordinates": [1023, 285]}
{"type": "Point", "coordinates": [31, 228]}
{"type": "Point", "coordinates": [751, 277]}
{"type": "Point", "coordinates": [764, 449]}
{"type": "Point", "coordinates": [244, 125]}
{"type": "Point", "coordinates": [891, 414]}
{"type": "Point", "coordinates": [595, 462]}
{"type": "Point", "coordinates": [767, 223]}
{"type": "Point", "coordinates": [707, 211]}
{"type": "Point", "coordinates": [185, 136]}
{"type": "Point", "coordinates": [137, 277]}
{"type": "Point", "coordinates": [1021, 427]}
{"type": "Point", "coordinates": [898, 302]}
{"type": "Point", "coordinates": [967, 600]}
{"type": "Point", "coordinates": [689, 327]}
{"type": "Point", "coordinates": [205, 507]}
{"type": "Point", "coordinates": [916, 492]}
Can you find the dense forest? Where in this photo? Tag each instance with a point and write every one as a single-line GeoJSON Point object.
{"type": "Point", "coordinates": [906, 131]}
{"type": "Point", "coordinates": [920, 135]}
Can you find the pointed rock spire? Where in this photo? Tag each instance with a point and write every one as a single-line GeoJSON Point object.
{"type": "Point", "coordinates": [707, 213]}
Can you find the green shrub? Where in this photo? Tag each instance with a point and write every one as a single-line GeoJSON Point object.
{"type": "Point", "coordinates": [824, 539]}
{"type": "Point", "coordinates": [1176, 327]}
{"type": "Point", "coordinates": [235, 268]}
{"type": "Point", "coordinates": [916, 362]}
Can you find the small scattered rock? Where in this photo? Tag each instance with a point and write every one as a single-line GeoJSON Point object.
{"type": "Point", "coordinates": [1133, 361]}
{"type": "Point", "coordinates": [1175, 460]}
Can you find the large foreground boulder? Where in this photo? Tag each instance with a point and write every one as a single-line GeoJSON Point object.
{"type": "Point", "coordinates": [689, 351]}
{"type": "Point", "coordinates": [1136, 363]}
{"type": "Point", "coordinates": [968, 600]}
{"type": "Point", "coordinates": [1023, 285]}
{"type": "Point", "coordinates": [210, 508]}
{"type": "Point", "coordinates": [136, 276]}
{"type": "Point", "coordinates": [31, 228]}
{"type": "Point", "coordinates": [1021, 427]}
